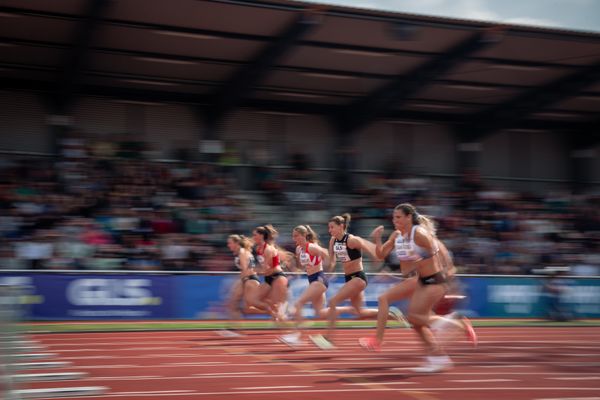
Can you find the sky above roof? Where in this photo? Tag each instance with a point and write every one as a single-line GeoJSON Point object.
{"type": "Point", "coordinates": [580, 15]}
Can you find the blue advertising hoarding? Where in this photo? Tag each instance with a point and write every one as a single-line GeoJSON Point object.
{"type": "Point", "coordinates": [50, 296]}
{"type": "Point", "coordinates": [92, 297]}
{"type": "Point", "coordinates": [205, 297]}
{"type": "Point", "coordinates": [500, 297]}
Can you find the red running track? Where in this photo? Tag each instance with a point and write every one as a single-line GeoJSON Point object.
{"type": "Point", "coordinates": [516, 363]}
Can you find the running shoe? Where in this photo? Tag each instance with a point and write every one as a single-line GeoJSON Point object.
{"type": "Point", "coordinates": [469, 331]}
{"type": "Point", "coordinates": [435, 364]}
{"type": "Point", "coordinates": [370, 343]}
{"type": "Point", "coordinates": [321, 342]}
{"type": "Point", "coordinates": [292, 339]}
{"type": "Point", "coordinates": [226, 333]}
{"type": "Point", "coordinates": [395, 313]}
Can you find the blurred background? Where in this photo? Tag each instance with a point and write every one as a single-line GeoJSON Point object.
{"type": "Point", "coordinates": [137, 135]}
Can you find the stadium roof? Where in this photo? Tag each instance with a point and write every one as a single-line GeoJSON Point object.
{"type": "Point", "coordinates": [353, 65]}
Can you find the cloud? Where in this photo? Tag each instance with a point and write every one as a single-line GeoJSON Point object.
{"type": "Point", "coordinates": [473, 9]}
{"type": "Point", "coordinates": [530, 21]}
{"type": "Point", "coordinates": [576, 14]}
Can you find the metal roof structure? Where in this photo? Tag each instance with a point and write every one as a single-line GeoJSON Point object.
{"type": "Point", "coordinates": [352, 65]}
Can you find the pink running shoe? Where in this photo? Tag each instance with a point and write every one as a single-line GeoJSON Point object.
{"type": "Point", "coordinates": [370, 343]}
{"type": "Point", "coordinates": [469, 331]}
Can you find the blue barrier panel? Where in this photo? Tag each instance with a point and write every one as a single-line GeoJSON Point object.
{"type": "Point", "coordinates": [512, 297]}
{"type": "Point", "coordinates": [205, 297]}
{"type": "Point", "coordinates": [51, 296]}
{"type": "Point", "coordinates": [92, 297]}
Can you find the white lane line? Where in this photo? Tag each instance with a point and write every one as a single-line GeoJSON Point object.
{"type": "Point", "coordinates": [482, 380]}
{"type": "Point", "coordinates": [570, 398]}
{"type": "Point", "coordinates": [193, 364]}
{"type": "Point", "coordinates": [383, 383]}
{"type": "Point", "coordinates": [270, 387]}
{"type": "Point", "coordinates": [41, 365]}
{"type": "Point", "coordinates": [116, 343]}
{"type": "Point", "coordinates": [350, 336]}
{"type": "Point", "coordinates": [59, 392]}
{"type": "Point", "coordinates": [125, 378]}
{"type": "Point", "coordinates": [155, 392]}
{"type": "Point", "coordinates": [226, 374]}
{"type": "Point", "coordinates": [360, 389]}
{"type": "Point", "coordinates": [321, 373]}
{"type": "Point", "coordinates": [512, 355]}
{"type": "Point", "coordinates": [576, 378]}
{"type": "Point", "coordinates": [342, 365]}
{"type": "Point", "coordinates": [577, 355]}
{"type": "Point", "coordinates": [52, 376]}
{"type": "Point", "coordinates": [123, 349]}
{"type": "Point", "coordinates": [110, 366]}
{"type": "Point", "coordinates": [33, 356]}
{"type": "Point", "coordinates": [94, 357]}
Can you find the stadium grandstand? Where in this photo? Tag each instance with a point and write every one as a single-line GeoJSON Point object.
{"type": "Point", "coordinates": [165, 131]}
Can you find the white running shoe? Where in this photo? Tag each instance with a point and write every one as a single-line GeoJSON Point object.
{"type": "Point", "coordinates": [226, 333]}
{"type": "Point", "coordinates": [292, 339]}
{"type": "Point", "coordinates": [435, 364]}
{"type": "Point", "coordinates": [321, 342]}
{"type": "Point", "coordinates": [395, 313]}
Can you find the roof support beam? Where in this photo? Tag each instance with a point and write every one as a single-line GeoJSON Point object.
{"type": "Point", "coordinates": [363, 110]}
{"type": "Point", "coordinates": [395, 116]}
{"type": "Point", "coordinates": [249, 75]}
{"type": "Point", "coordinates": [512, 112]}
{"type": "Point", "coordinates": [76, 59]}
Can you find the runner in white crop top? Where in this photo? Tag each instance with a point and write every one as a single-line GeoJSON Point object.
{"type": "Point", "coordinates": [407, 250]}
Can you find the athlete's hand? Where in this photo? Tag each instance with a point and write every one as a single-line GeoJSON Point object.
{"type": "Point", "coordinates": [377, 232]}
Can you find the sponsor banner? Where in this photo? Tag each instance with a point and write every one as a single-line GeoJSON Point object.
{"type": "Point", "coordinates": [207, 297]}
{"type": "Point", "coordinates": [90, 297]}
{"type": "Point", "coordinates": [97, 296]}
{"type": "Point", "coordinates": [203, 297]}
{"type": "Point", "coordinates": [500, 297]}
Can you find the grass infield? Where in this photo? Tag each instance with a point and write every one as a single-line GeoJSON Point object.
{"type": "Point", "coordinates": [183, 325]}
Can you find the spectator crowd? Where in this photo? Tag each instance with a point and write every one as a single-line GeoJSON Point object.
{"type": "Point", "coordinates": [80, 212]}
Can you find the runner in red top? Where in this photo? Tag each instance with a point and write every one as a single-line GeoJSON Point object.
{"type": "Point", "coordinates": [275, 287]}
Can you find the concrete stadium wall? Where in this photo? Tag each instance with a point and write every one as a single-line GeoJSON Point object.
{"type": "Point", "coordinates": [270, 138]}
{"type": "Point", "coordinates": [526, 155]}
{"type": "Point", "coordinates": [165, 127]}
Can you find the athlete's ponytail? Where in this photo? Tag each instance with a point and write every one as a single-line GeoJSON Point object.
{"type": "Point", "coordinates": [343, 219]}
{"type": "Point", "coordinates": [242, 240]}
{"type": "Point", "coordinates": [425, 221]}
{"type": "Point", "coordinates": [268, 232]}
{"type": "Point", "coordinates": [306, 231]}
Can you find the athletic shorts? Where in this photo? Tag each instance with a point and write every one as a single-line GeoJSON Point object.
{"type": "Point", "coordinates": [270, 278]}
{"type": "Point", "coordinates": [252, 277]}
{"type": "Point", "coordinates": [358, 274]}
{"type": "Point", "coordinates": [436, 279]}
{"type": "Point", "coordinates": [318, 277]}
